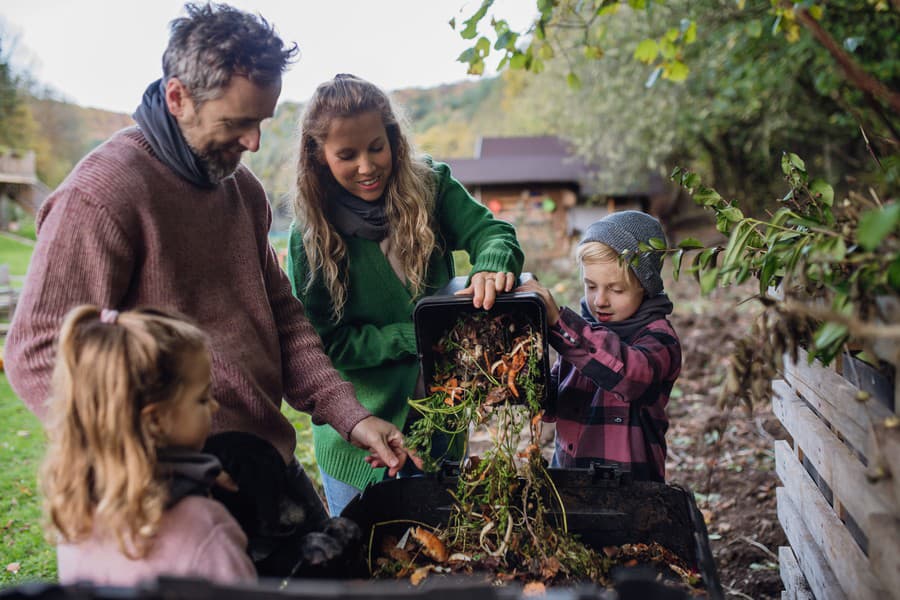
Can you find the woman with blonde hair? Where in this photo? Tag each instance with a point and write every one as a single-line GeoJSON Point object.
{"type": "Point", "coordinates": [126, 487]}
{"type": "Point", "coordinates": [375, 231]}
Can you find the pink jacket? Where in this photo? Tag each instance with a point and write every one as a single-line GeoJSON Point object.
{"type": "Point", "coordinates": [198, 537]}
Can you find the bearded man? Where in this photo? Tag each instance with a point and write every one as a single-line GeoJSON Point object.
{"type": "Point", "coordinates": [165, 215]}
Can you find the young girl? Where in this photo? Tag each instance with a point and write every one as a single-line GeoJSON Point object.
{"type": "Point", "coordinates": [619, 358]}
{"type": "Point", "coordinates": [125, 486]}
{"type": "Point", "coordinates": [375, 231]}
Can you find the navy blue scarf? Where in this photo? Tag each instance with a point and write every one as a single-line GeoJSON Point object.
{"type": "Point", "coordinates": [651, 309]}
{"type": "Point", "coordinates": [165, 137]}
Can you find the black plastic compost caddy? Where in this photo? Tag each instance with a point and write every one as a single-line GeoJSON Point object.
{"type": "Point", "coordinates": [602, 506]}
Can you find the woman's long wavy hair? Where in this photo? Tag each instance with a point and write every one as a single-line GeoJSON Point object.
{"type": "Point", "coordinates": [101, 462]}
{"type": "Point", "coordinates": [409, 197]}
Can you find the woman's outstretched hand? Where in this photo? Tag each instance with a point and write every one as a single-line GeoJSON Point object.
{"type": "Point", "coordinates": [384, 443]}
{"type": "Point", "coordinates": [484, 286]}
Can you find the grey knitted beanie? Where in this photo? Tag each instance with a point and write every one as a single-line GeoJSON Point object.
{"type": "Point", "coordinates": [622, 231]}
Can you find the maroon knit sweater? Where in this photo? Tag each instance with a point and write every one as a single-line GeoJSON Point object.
{"type": "Point", "coordinates": [123, 230]}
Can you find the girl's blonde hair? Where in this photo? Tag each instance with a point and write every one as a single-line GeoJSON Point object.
{"type": "Point", "coordinates": [101, 465]}
{"type": "Point", "coordinates": [598, 252]}
{"type": "Point", "coordinates": [409, 197]}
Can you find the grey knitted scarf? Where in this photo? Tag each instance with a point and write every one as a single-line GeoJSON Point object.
{"type": "Point", "coordinates": [189, 473]}
{"type": "Point", "coordinates": [353, 216]}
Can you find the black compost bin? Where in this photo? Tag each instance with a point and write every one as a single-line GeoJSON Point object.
{"type": "Point", "coordinates": [602, 508]}
{"type": "Point", "coordinates": [434, 315]}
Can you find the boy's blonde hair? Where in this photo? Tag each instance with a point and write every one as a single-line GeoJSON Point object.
{"type": "Point", "coordinates": [598, 252]}
{"type": "Point", "coordinates": [409, 197]}
{"type": "Point", "coordinates": [101, 466]}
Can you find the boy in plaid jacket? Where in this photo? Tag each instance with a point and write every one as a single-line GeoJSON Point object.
{"type": "Point", "coordinates": [618, 358]}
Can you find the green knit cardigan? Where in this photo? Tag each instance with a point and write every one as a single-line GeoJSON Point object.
{"type": "Point", "coordinates": [373, 346]}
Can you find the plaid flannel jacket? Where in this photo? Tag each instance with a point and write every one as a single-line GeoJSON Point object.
{"type": "Point", "coordinates": [612, 395]}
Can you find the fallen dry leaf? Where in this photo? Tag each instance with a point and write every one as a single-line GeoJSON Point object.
{"type": "Point", "coordinates": [13, 567]}
{"type": "Point", "coordinates": [432, 546]}
{"type": "Point", "coordinates": [420, 574]}
{"type": "Point", "coordinates": [534, 588]}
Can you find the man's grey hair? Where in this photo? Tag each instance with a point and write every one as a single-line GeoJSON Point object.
{"type": "Point", "coordinates": [215, 42]}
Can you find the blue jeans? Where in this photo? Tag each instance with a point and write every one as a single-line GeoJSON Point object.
{"type": "Point", "coordinates": [337, 493]}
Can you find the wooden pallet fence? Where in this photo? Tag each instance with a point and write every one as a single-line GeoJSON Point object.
{"type": "Point", "coordinates": [838, 503]}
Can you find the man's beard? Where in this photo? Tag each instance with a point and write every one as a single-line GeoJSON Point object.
{"type": "Point", "coordinates": [217, 166]}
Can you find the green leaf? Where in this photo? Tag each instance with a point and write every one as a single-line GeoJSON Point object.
{"type": "Point", "coordinates": [667, 49]}
{"type": "Point", "coordinates": [767, 273]}
{"type": "Point", "coordinates": [690, 244]}
{"type": "Point", "coordinates": [737, 243]}
{"type": "Point", "coordinates": [691, 180]}
{"type": "Point", "coordinates": [705, 196]}
{"type": "Point", "coordinates": [780, 218]}
{"type": "Point", "coordinates": [657, 243]}
{"type": "Point", "coordinates": [471, 23]}
{"type": "Point", "coordinates": [546, 51]}
{"type": "Point", "coordinates": [677, 71]}
{"type": "Point", "coordinates": [789, 160]}
{"type": "Point", "coordinates": [893, 275]}
{"type": "Point", "coordinates": [506, 40]}
{"type": "Point", "coordinates": [483, 46]}
{"type": "Point", "coordinates": [676, 264]}
{"type": "Point", "coordinates": [838, 250]}
{"type": "Point", "coordinates": [708, 281]}
{"type": "Point", "coordinates": [743, 273]}
{"type": "Point", "coordinates": [647, 51]}
{"type": "Point", "coordinates": [723, 224]}
{"type": "Point", "coordinates": [467, 56]}
{"type": "Point", "coordinates": [593, 52]}
{"type": "Point", "coordinates": [876, 224]}
{"type": "Point", "coordinates": [822, 192]}
{"type": "Point", "coordinates": [690, 34]}
{"type": "Point", "coordinates": [518, 61]}
{"type": "Point", "coordinates": [704, 258]}
{"type": "Point", "coordinates": [732, 213]}
{"type": "Point", "coordinates": [644, 247]}
{"type": "Point", "coordinates": [816, 11]}
{"type": "Point", "coordinates": [829, 335]}
{"type": "Point", "coordinates": [672, 34]}
{"type": "Point", "coordinates": [573, 81]}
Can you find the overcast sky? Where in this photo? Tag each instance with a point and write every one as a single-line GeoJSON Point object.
{"type": "Point", "coordinates": [103, 53]}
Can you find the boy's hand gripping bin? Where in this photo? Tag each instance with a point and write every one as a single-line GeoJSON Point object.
{"type": "Point", "coordinates": [512, 316]}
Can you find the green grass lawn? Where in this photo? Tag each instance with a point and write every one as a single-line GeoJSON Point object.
{"type": "Point", "coordinates": [26, 556]}
{"type": "Point", "coordinates": [16, 254]}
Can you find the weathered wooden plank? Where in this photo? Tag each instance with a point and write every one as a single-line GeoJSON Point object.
{"type": "Point", "coordinates": [849, 565]}
{"type": "Point", "coordinates": [835, 463]}
{"type": "Point", "coordinates": [815, 568]}
{"type": "Point", "coordinates": [795, 585]}
{"type": "Point", "coordinates": [835, 399]}
{"type": "Point", "coordinates": [884, 448]}
{"type": "Point", "coordinates": [884, 551]}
